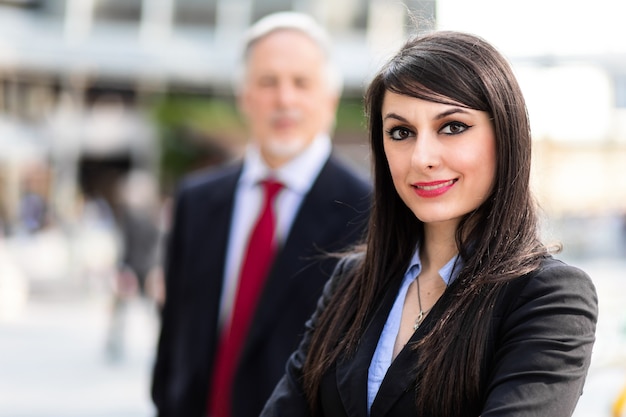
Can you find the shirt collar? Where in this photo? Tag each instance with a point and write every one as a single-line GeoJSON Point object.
{"type": "Point", "coordinates": [448, 272]}
{"type": "Point", "coordinates": [297, 175]}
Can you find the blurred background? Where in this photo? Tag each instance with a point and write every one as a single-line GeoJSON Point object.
{"type": "Point", "coordinates": [105, 104]}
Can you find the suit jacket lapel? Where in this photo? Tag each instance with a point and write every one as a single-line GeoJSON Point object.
{"type": "Point", "coordinates": [211, 234]}
{"type": "Point", "coordinates": [352, 373]}
{"type": "Point", "coordinates": [399, 378]}
{"type": "Point", "coordinates": [290, 261]}
{"type": "Point", "coordinates": [205, 230]}
{"type": "Point", "coordinates": [401, 374]}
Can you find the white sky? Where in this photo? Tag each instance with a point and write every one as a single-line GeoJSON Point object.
{"type": "Point", "coordinates": [531, 27]}
{"type": "Point", "coordinates": [571, 102]}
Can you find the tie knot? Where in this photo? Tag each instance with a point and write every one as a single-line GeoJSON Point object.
{"type": "Point", "coordinates": [271, 188]}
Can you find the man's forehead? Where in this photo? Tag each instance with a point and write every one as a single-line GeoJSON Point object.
{"type": "Point", "coordinates": [281, 38]}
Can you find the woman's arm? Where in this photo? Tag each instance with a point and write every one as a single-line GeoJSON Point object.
{"type": "Point", "coordinates": [543, 347]}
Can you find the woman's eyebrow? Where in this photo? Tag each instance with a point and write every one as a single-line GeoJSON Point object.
{"type": "Point", "coordinates": [451, 112]}
{"type": "Point", "coordinates": [395, 116]}
{"type": "Point", "coordinates": [439, 116]}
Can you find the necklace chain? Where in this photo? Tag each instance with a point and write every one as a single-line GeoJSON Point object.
{"type": "Point", "coordinates": [422, 314]}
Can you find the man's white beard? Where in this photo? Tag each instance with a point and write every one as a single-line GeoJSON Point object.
{"type": "Point", "coordinates": [285, 148]}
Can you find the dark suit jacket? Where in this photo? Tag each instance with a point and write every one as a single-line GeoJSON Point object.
{"type": "Point", "coordinates": [538, 354]}
{"type": "Point", "coordinates": [333, 214]}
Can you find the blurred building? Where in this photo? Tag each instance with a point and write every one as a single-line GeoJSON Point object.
{"type": "Point", "coordinates": [75, 73]}
{"type": "Point", "coordinates": [78, 83]}
{"type": "Point", "coordinates": [75, 76]}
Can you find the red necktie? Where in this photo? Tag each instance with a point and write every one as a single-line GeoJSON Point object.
{"type": "Point", "coordinates": [257, 260]}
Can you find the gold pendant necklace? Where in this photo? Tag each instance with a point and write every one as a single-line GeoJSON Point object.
{"type": "Point", "coordinates": [422, 314]}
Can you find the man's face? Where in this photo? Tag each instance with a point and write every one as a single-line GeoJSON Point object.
{"type": "Point", "coordinates": [286, 97]}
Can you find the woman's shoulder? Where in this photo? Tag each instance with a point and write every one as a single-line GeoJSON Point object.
{"type": "Point", "coordinates": [349, 261]}
{"type": "Point", "coordinates": [553, 271]}
{"type": "Point", "coordinates": [346, 265]}
{"type": "Point", "coordinates": [553, 281]}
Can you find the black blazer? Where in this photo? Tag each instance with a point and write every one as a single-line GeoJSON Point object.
{"type": "Point", "coordinates": [538, 354]}
{"type": "Point", "coordinates": [333, 214]}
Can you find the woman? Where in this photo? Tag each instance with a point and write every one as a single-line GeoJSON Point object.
{"type": "Point", "coordinates": [453, 307]}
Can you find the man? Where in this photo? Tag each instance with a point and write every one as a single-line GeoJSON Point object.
{"type": "Point", "coordinates": [220, 354]}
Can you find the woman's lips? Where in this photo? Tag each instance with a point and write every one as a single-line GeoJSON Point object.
{"type": "Point", "coordinates": [433, 189]}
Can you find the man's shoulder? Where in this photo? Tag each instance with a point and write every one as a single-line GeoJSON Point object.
{"type": "Point", "coordinates": [217, 176]}
{"type": "Point", "coordinates": [340, 173]}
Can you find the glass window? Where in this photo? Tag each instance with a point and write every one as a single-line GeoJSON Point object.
{"type": "Point", "coordinates": [359, 14]}
{"type": "Point", "coordinates": [261, 8]}
{"type": "Point", "coordinates": [27, 4]}
{"type": "Point", "coordinates": [195, 12]}
{"type": "Point", "coordinates": [118, 10]}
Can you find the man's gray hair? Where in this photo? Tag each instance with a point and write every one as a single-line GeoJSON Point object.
{"type": "Point", "coordinates": [302, 23]}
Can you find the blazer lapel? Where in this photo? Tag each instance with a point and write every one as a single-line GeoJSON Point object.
{"type": "Point", "coordinates": [352, 372]}
{"type": "Point", "coordinates": [204, 230]}
{"type": "Point", "coordinates": [401, 375]}
{"type": "Point", "coordinates": [213, 213]}
{"type": "Point", "coordinates": [399, 378]}
{"type": "Point", "coordinates": [296, 255]}
{"type": "Point", "coordinates": [287, 267]}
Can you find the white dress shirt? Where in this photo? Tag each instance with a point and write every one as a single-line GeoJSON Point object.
{"type": "Point", "coordinates": [297, 176]}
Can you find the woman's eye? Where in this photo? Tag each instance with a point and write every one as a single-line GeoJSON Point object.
{"type": "Point", "coordinates": [399, 133]}
{"type": "Point", "coordinates": [454, 128]}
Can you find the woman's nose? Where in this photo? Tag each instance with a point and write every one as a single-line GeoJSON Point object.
{"type": "Point", "coordinates": [426, 152]}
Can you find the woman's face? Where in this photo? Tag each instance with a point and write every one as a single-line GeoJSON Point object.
{"type": "Point", "coordinates": [442, 157]}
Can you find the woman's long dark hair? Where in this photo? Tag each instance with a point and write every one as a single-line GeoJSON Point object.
{"type": "Point", "coordinates": [447, 67]}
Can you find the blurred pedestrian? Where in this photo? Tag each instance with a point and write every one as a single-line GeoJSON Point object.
{"type": "Point", "coordinates": [454, 308]}
{"type": "Point", "coordinates": [238, 289]}
{"type": "Point", "coordinates": [136, 219]}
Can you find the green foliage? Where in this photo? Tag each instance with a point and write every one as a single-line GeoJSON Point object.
{"type": "Point", "coordinates": [193, 130]}
{"type": "Point", "coordinates": [198, 113]}
{"type": "Point", "coordinates": [351, 117]}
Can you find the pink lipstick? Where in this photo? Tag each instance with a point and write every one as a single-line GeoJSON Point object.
{"type": "Point", "coordinates": [432, 189]}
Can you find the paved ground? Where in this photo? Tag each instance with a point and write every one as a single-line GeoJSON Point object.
{"type": "Point", "coordinates": [53, 361]}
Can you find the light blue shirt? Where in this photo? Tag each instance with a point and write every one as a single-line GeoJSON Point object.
{"type": "Point", "coordinates": [381, 361]}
